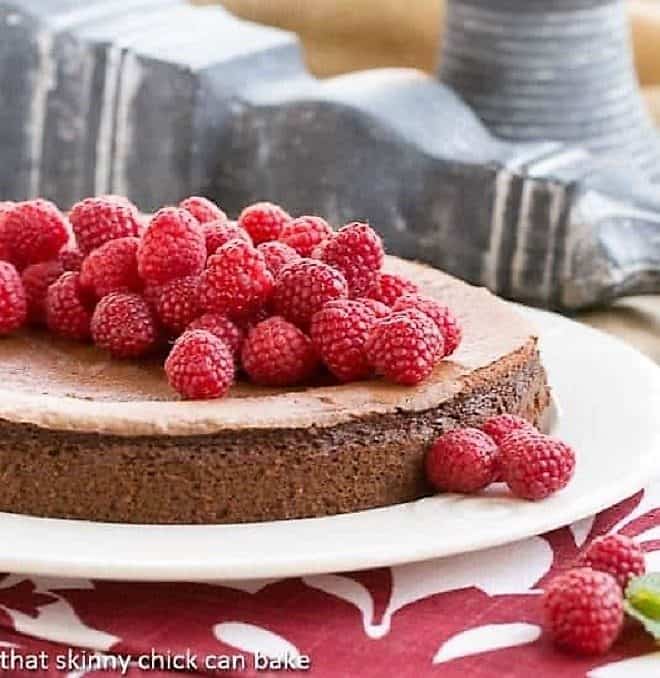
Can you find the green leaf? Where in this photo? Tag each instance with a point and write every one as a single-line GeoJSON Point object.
{"type": "Point", "coordinates": [643, 602]}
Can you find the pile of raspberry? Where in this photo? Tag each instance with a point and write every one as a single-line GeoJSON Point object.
{"type": "Point", "coordinates": [277, 298]}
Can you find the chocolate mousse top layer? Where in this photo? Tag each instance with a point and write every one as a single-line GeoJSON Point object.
{"type": "Point", "coordinates": [61, 385]}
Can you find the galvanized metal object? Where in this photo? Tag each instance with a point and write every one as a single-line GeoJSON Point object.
{"type": "Point", "coordinates": [156, 99]}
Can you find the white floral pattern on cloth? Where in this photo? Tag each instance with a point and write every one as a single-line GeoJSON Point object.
{"type": "Point", "coordinates": [477, 614]}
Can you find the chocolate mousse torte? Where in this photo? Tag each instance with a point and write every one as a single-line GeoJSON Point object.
{"type": "Point", "coordinates": [88, 437]}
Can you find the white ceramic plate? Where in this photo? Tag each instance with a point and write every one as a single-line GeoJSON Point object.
{"type": "Point", "coordinates": [609, 396]}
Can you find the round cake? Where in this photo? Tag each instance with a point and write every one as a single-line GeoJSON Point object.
{"type": "Point", "coordinates": [87, 437]}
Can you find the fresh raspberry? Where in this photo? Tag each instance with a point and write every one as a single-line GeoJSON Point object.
{"type": "Point", "coordinates": [303, 287]}
{"type": "Point", "coordinates": [13, 304]}
{"type": "Point", "coordinates": [112, 268]}
{"type": "Point", "coordinates": [339, 333]}
{"type": "Point", "coordinates": [379, 309]}
{"type": "Point", "coordinates": [390, 286]}
{"type": "Point", "coordinates": [277, 256]}
{"type": "Point", "coordinates": [462, 460]}
{"type": "Point", "coordinates": [219, 233]}
{"type": "Point", "coordinates": [236, 281]}
{"type": "Point", "coordinates": [357, 251]}
{"type": "Point", "coordinates": [617, 555]}
{"type": "Point", "coordinates": [71, 259]}
{"type": "Point", "coordinates": [96, 221]}
{"type": "Point", "coordinates": [305, 233]}
{"type": "Point", "coordinates": [534, 465]}
{"type": "Point", "coordinates": [123, 324]}
{"type": "Point", "coordinates": [172, 247]}
{"type": "Point", "coordinates": [203, 209]}
{"type": "Point", "coordinates": [499, 426]}
{"type": "Point", "coordinates": [277, 353]}
{"type": "Point", "coordinates": [177, 303]}
{"type": "Point", "coordinates": [34, 231]}
{"type": "Point", "coordinates": [263, 221]}
{"type": "Point", "coordinates": [200, 366]}
{"type": "Point", "coordinates": [69, 307]}
{"type": "Point", "coordinates": [584, 611]}
{"type": "Point", "coordinates": [404, 346]}
{"type": "Point", "coordinates": [37, 278]}
{"type": "Point", "coordinates": [221, 327]}
{"type": "Point", "coordinates": [441, 315]}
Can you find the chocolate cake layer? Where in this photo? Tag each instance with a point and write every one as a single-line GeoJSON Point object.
{"type": "Point", "coordinates": [82, 436]}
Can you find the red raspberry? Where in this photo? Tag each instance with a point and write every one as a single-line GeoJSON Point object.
{"type": "Point", "coordinates": [305, 233]}
{"type": "Point", "coordinates": [236, 282]}
{"type": "Point", "coordinates": [534, 465]}
{"type": "Point", "coordinates": [390, 286]}
{"type": "Point", "coordinates": [69, 307]}
{"type": "Point", "coordinates": [37, 278]}
{"type": "Point", "coordinates": [303, 287]}
{"type": "Point", "coordinates": [112, 268]}
{"type": "Point", "coordinates": [339, 333]}
{"type": "Point", "coordinates": [221, 327]}
{"type": "Point", "coordinates": [13, 304]}
{"type": "Point", "coordinates": [219, 233]}
{"type": "Point", "coordinates": [277, 353]}
{"type": "Point", "coordinates": [404, 347]}
{"type": "Point", "coordinates": [203, 209]}
{"type": "Point", "coordinates": [499, 426]}
{"type": "Point", "coordinates": [71, 259]}
{"type": "Point", "coordinates": [172, 247]}
{"type": "Point", "coordinates": [34, 231]}
{"type": "Point", "coordinates": [277, 255]}
{"type": "Point", "coordinates": [96, 221]}
{"type": "Point", "coordinates": [584, 611]}
{"type": "Point", "coordinates": [462, 460]}
{"type": "Point", "coordinates": [617, 555]}
{"type": "Point", "coordinates": [200, 366]}
{"type": "Point", "coordinates": [124, 325]}
{"type": "Point", "coordinates": [379, 309]}
{"type": "Point", "coordinates": [439, 313]}
{"type": "Point", "coordinates": [263, 221]}
{"type": "Point", "coordinates": [177, 303]}
{"type": "Point", "coordinates": [357, 251]}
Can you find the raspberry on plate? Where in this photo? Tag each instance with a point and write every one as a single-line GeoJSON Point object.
{"type": "Point", "coordinates": [200, 366]}
{"type": "Point", "coordinates": [223, 328]}
{"type": "Point", "coordinates": [69, 307]}
{"type": "Point", "coordinates": [404, 346]}
{"type": "Point", "coordinates": [499, 426]}
{"type": "Point", "coordinates": [380, 310]}
{"type": "Point", "coordinates": [277, 353]}
{"type": "Point", "coordinates": [236, 281]}
{"type": "Point", "coordinates": [390, 286]}
{"type": "Point", "coordinates": [534, 465]}
{"type": "Point", "coordinates": [339, 333]}
{"type": "Point", "coordinates": [584, 611]}
{"type": "Point", "coordinates": [173, 246]}
{"type": "Point", "coordinates": [357, 251]}
{"type": "Point", "coordinates": [441, 315]}
{"type": "Point", "coordinates": [98, 220]}
{"type": "Point", "coordinates": [305, 233]}
{"type": "Point", "coordinates": [203, 209]}
{"type": "Point", "coordinates": [617, 555]}
{"type": "Point", "coordinates": [277, 255]}
{"type": "Point", "coordinates": [37, 278]}
{"type": "Point", "coordinates": [303, 287]}
{"type": "Point", "coordinates": [263, 221]}
{"type": "Point", "coordinates": [34, 231]}
{"type": "Point", "coordinates": [177, 303]}
{"type": "Point", "coordinates": [13, 304]}
{"type": "Point", "coordinates": [462, 460]}
{"type": "Point", "coordinates": [219, 233]}
{"type": "Point", "coordinates": [123, 324]}
{"type": "Point", "coordinates": [112, 267]}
